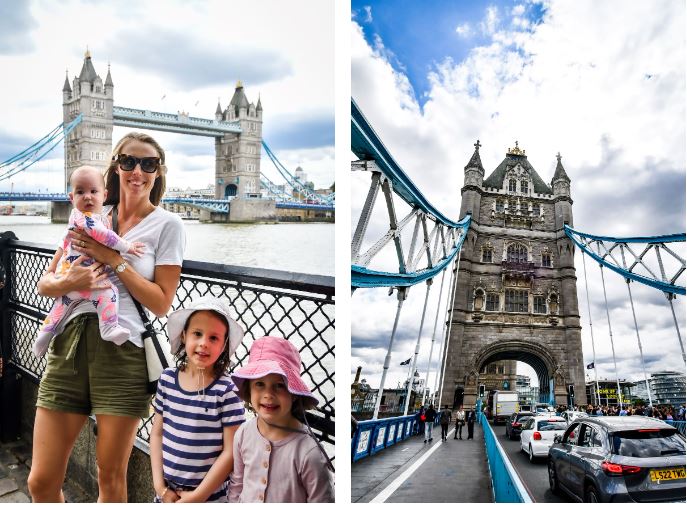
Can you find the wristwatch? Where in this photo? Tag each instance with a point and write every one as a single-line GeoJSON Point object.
{"type": "Point", "coordinates": [121, 267]}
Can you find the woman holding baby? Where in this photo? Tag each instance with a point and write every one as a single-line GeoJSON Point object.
{"type": "Point", "coordinates": [86, 373]}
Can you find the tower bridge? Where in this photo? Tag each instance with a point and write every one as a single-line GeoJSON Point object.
{"type": "Point", "coordinates": [511, 295]}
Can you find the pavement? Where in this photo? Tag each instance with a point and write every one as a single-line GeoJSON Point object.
{"type": "Point", "coordinates": [15, 463]}
{"type": "Point", "coordinates": [455, 471]}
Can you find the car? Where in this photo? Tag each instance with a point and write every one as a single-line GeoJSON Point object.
{"type": "Point", "coordinates": [618, 458]}
{"type": "Point", "coordinates": [515, 422]}
{"type": "Point", "coordinates": [572, 415]}
{"type": "Point", "coordinates": [538, 433]}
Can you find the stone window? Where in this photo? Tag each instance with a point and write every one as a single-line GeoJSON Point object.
{"type": "Point", "coordinates": [499, 205]}
{"type": "Point", "coordinates": [524, 187]}
{"type": "Point", "coordinates": [535, 209]}
{"type": "Point", "coordinates": [492, 302]}
{"type": "Point", "coordinates": [486, 255]}
{"type": "Point", "coordinates": [516, 253]}
{"type": "Point", "coordinates": [512, 185]}
{"type": "Point", "coordinates": [516, 300]}
{"type": "Point", "coordinates": [546, 259]}
{"type": "Point", "coordinates": [539, 305]}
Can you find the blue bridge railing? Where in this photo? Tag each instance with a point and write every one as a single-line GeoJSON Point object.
{"type": "Point", "coordinates": [375, 435]}
{"type": "Point", "coordinates": [506, 485]}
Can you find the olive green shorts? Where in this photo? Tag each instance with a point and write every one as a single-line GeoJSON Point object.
{"type": "Point", "coordinates": [88, 375]}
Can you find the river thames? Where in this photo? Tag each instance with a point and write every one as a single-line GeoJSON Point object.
{"type": "Point", "coordinates": [293, 247]}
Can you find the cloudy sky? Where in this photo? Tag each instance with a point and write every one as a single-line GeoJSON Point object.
{"type": "Point", "coordinates": [601, 82]}
{"type": "Point", "coordinates": [169, 56]}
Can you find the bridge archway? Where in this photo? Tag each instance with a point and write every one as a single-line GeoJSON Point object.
{"type": "Point", "coordinates": [550, 373]}
{"type": "Point", "coordinates": [230, 190]}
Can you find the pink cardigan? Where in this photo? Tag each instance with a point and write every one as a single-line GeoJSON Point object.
{"type": "Point", "coordinates": [292, 470]}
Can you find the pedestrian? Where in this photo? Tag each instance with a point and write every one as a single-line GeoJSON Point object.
{"type": "Point", "coordinates": [85, 374]}
{"type": "Point", "coordinates": [460, 421]}
{"type": "Point", "coordinates": [471, 423]}
{"type": "Point", "coordinates": [421, 417]}
{"type": "Point", "coordinates": [444, 420]}
{"type": "Point", "coordinates": [196, 400]}
{"type": "Point", "coordinates": [622, 412]}
{"type": "Point", "coordinates": [430, 414]}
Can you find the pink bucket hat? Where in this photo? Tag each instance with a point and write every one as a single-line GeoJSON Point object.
{"type": "Point", "coordinates": [276, 355]}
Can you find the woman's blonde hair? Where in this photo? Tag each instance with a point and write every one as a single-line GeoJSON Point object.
{"type": "Point", "coordinates": [112, 179]}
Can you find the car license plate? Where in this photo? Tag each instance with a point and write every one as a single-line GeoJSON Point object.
{"type": "Point", "coordinates": [667, 474]}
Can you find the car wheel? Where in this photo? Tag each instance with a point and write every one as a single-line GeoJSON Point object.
{"type": "Point", "coordinates": [553, 479]}
{"type": "Point", "coordinates": [531, 455]}
{"type": "Point", "coordinates": [592, 495]}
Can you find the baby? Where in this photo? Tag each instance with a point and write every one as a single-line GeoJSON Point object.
{"type": "Point", "coordinates": [87, 195]}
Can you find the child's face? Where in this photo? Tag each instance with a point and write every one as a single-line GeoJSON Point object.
{"type": "Point", "coordinates": [204, 339]}
{"type": "Point", "coordinates": [271, 399]}
{"type": "Point", "coordinates": [88, 191]}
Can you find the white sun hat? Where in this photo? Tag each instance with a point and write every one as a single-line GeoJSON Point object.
{"type": "Point", "coordinates": [177, 320]}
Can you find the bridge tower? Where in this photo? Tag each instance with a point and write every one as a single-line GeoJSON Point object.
{"type": "Point", "coordinates": [90, 143]}
{"type": "Point", "coordinates": [237, 166]}
{"type": "Point", "coordinates": [516, 294]}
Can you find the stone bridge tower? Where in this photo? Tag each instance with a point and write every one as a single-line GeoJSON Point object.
{"type": "Point", "coordinates": [90, 143]}
{"type": "Point", "coordinates": [516, 294]}
{"type": "Point", "coordinates": [237, 155]}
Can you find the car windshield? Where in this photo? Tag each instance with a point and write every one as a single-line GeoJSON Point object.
{"type": "Point", "coordinates": [648, 443]}
{"type": "Point", "coordinates": [552, 425]}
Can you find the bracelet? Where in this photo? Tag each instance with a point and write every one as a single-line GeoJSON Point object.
{"type": "Point", "coordinates": [162, 496]}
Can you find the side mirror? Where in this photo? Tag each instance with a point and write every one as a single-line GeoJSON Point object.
{"type": "Point", "coordinates": [557, 439]}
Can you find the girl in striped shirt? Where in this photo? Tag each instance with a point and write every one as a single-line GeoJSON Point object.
{"type": "Point", "coordinates": [197, 410]}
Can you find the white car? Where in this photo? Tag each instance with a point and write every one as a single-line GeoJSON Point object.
{"type": "Point", "coordinates": [538, 432]}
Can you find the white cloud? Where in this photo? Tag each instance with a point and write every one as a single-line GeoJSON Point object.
{"type": "Point", "coordinates": [464, 30]}
{"type": "Point", "coordinates": [368, 14]}
{"type": "Point", "coordinates": [491, 20]}
{"type": "Point", "coordinates": [575, 83]}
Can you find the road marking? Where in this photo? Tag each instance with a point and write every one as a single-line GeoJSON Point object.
{"type": "Point", "coordinates": [391, 488]}
{"type": "Point", "coordinates": [404, 450]}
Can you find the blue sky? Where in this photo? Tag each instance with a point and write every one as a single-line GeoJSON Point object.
{"type": "Point", "coordinates": [285, 56]}
{"type": "Point", "coordinates": [418, 35]}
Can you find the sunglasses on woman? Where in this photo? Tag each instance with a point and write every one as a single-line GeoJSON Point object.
{"type": "Point", "coordinates": [128, 163]}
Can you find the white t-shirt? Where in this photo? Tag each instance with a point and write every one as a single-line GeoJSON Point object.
{"type": "Point", "coordinates": [163, 234]}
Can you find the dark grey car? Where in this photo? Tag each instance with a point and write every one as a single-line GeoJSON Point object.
{"type": "Point", "coordinates": [626, 459]}
{"type": "Point", "coordinates": [515, 422]}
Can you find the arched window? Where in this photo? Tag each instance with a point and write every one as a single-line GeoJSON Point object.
{"type": "Point", "coordinates": [492, 302]}
{"type": "Point", "coordinates": [524, 187]}
{"type": "Point", "coordinates": [517, 253]}
{"type": "Point", "coordinates": [546, 259]}
{"type": "Point", "coordinates": [512, 185]}
{"type": "Point", "coordinates": [535, 209]}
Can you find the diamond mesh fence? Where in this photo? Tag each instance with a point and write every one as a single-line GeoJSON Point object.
{"type": "Point", "coordinates": [298, 307]}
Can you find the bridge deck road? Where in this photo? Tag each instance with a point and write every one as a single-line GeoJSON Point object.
{"type": "Point", "coordinates": [534, 475]}
{"type": "Point", "coordinates": [455, 471]}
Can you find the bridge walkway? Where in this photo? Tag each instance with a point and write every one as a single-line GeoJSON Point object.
{"type": "Point", "coordinates": [449, 472]}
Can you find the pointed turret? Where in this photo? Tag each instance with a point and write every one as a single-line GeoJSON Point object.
{"type": "Point", "coordinates": [472, 185]}
{"type": "Point", "coordinates": [259, 106]}
{"type": "Point", "coordinates": [560, 171]}
{"type": "Point", "coordinates": [218, 111]}
{"type": "Point", "coordinates": [108, 79]}
{"type": "Point", "coordinates": [239, 100]}
{"type": "Point", "coordinates": [66, 88]}
{"type": "Point", "coordinates": [88, 73]}
{"type": "Point", "coordinates": [561, 193]}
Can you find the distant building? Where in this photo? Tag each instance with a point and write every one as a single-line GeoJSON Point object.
{"type": "Point", "coordinates": [668, 388]}
{"type": "Point", "coordinates": [527, 395]}
{"type": "Point", "coordinates": [608, 391]}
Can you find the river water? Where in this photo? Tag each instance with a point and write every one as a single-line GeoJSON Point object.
{"type": "Point", "coordinates": [293, 247]}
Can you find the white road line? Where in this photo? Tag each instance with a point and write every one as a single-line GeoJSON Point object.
{"type": "Point", "coordinates": [391, 488]}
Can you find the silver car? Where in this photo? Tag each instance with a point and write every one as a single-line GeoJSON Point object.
{"type": "Point", "coordinates": [629, 458]}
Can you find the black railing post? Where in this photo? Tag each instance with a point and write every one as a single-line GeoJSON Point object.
{"type": "Point", "coordinates": [5, 292]}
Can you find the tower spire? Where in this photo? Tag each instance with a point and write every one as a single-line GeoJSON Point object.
{"type": "Point", "coordinates": [66, 86]}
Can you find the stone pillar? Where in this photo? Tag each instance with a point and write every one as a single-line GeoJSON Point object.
{"type": "Point", "coordinates": [59, 211]}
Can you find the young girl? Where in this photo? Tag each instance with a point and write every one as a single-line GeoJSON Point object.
{"type": "Point", "coordinates": [197, 410]}
{"type": "Point", "coordinates": [87, 195]}
{"type": "Point", "coordinates": [275, 458]}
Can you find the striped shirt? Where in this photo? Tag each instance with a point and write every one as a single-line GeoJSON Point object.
{"type": "Point", "coordinates": [192, 428]}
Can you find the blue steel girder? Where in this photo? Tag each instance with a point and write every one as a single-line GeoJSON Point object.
{"type": "Point", "coordinates": [632, 258]}
{"type": "Point", "coordinates": [33, 197]}
{"type": "Point", "coordinates": [439, 246]}
{"type": "Point", "coordinates": [202, 203]}
{"type": "Point", "coordinates": [175, 123]}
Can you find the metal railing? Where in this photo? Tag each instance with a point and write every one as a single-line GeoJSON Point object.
{"type": "Point", "coordinates": [375, 435]}
{"type": "Point", "coordinates": [505, 482]}
{"type": "Point", "coordinates": [298, 307]}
